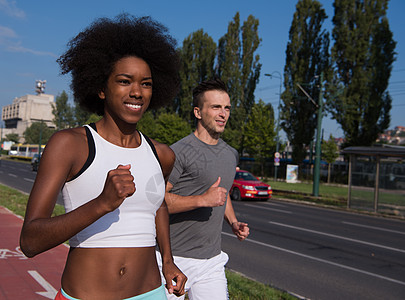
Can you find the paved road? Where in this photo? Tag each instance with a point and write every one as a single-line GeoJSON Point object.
{"type": "Point", "coordinates": [17, 175]}
{"type": "Point", "coordinates": [312, 252]}
{"type": "Point", "coordinates": [320, 253]}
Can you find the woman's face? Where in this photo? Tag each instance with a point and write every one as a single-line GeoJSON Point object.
{"type": "Point", "coordinates": [129, 90]}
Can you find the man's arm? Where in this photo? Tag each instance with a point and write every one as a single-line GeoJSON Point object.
{"type": "Point", "coordinates": [241, 230]}
{"type": "Point", "coordinates": [214, 196]}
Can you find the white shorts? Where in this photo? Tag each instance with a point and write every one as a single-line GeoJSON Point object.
{"type": "Point", "coordinates": [205, 277]}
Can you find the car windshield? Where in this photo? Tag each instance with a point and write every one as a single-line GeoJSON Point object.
{"type": "Point", "coordinates": [245, 176]}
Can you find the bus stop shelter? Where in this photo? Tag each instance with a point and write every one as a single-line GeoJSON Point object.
{"type": "Point", "coordinates": [376, 179]}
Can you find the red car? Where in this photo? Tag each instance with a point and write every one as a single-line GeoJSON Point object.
{"type": "Point", "coordinates": [247, 186]}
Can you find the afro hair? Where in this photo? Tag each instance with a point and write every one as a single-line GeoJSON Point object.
{"type": "Point", "coordinates": [92, 54]}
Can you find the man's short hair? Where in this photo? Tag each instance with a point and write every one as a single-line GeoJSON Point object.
{"type": "Point", "coordinates": [215, 84]}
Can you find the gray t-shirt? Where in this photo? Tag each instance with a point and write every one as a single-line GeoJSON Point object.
{"type": "Point", "coordinates": [197, 233]}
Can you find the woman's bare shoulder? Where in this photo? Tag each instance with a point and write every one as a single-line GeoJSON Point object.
{"type": "Point", "coordinates": [166, 157]}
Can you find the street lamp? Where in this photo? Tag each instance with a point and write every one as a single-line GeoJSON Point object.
{"type": "Point", "coordinates": [319, 106]}
{"type": "Point", "coordinates": [278, 118]}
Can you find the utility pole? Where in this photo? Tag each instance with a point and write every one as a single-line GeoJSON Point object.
{"type": "Point", "coordinates": [319, 106]}
{"type": "Point", "coordinates": [277, 154]}
{"type": "Point", "coordinates": [315, 187]}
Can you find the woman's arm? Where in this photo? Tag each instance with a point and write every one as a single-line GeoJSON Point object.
{"type": "Point", "coordinates": [63, 157]}
{"type": "Point", "coordinates": [169, 269]}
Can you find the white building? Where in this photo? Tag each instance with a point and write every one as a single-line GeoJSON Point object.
{"type": "Point", "coordinates": [26, 110]}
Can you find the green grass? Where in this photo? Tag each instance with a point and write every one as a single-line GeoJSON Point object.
{"type": "Point", "coordinates": [239, 286]}
{"type": "Point", "coordinates": [242, 288]}
{"type": "Point", "coordinates": [391, 202]}
{"type": "Point", "coordinates": [17, 201]}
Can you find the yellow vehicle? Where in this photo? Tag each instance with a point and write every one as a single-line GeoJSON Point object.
{"type": "Point", "coordinates": [24, 151]}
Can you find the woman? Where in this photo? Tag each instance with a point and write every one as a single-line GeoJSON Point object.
{"type": "Point", "coordinates": [112, 177]}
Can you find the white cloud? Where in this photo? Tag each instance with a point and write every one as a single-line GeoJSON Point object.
{"type": "Point", "coordinates": [11, 9]}
{"type": "Point", "coordinates": [6, 32]}
{"type": "Point", "coordinates": [18, 48]}
{"type": "Point", "coordinates": [9, 41]}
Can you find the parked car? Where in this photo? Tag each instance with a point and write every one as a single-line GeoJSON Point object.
{"type": "Point", "coordinates": [35, 162]}
{"type": "Point", "coordinates": [247, 186]}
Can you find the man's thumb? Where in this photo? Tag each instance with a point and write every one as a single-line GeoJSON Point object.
{"type": "Point", "coordinates": [216, 183]}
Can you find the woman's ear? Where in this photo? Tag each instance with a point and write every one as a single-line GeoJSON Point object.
{"type": "Point", "coordinates": [101, 95]}
{"type": "Point", "coordinates": [197, 113]}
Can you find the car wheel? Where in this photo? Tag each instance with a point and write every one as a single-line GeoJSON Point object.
{"type": "Point", "coordinates": [236, 194]}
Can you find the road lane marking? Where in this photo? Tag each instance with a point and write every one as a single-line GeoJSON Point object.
{"type": "Point", "coordinates": [338, 237]}
{"type": "Point", "coordinates": [373, 227]}
{"type": "Point", "coordinates": [12, 175]}
{"type": "Point", "coordinates": [275, 209]}
{"type": "Point", "coordinates": [29, 179]}
{"type": "Point", "coordinates": [50, 291]}
{"type": "Point", "coordinates": [319, 259]}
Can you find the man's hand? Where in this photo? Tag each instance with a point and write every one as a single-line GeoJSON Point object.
{"type": "Point", "coordinates": [215, 195]}
{"type": "Point", "coordinates": [241, 230]}
{"type": "Point", "coordinates": [172, 273]}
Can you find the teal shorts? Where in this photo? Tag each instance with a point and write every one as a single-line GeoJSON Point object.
{"type": "Point", "coordinates": [156, 294]}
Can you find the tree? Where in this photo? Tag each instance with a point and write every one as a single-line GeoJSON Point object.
{"type": "Point", "coordinates": [362, 56]}
{"type": "Point", "coordinates": [170, 128]}
{"type": "Point", "coordinates": [93, 118]}
{"type": "Point", "coordinates": [80, 115]}
{"type": "Point", "coordinates": [307, 57]}
{"type": "Point", "coordinates": [63, 112]}
{"type": "Point", "coordinates": [37, 133]}
{"type": "Point", "coordinates": [197, 57]}
{"type": "Point", "coordinates": [259, 133]}
{"type": "Point", "coordinates": [13, 137]}
{"type": "Point", "coordinates": [239, 67]}
{"type": "Point", "coordinates": [330, 152]}
{"type": "Point", "coordinates": [147, 124]}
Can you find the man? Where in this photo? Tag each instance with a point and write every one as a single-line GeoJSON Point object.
{"type": "Point", "coordinates": [197, 195]}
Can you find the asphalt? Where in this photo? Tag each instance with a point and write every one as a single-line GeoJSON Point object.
{"type": "Point", "coordinates": [26, 278]}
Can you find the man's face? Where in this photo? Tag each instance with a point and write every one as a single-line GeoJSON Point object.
{"type": "Point", "coordinates": [214, 111]}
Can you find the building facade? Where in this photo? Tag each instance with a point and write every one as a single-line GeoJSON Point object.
{"type": "Point", "coordinates": [24, 111]}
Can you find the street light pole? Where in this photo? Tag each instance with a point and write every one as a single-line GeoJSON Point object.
{"type": "Point", "coordinates": [317, 166]}
{"type": "Point", "coordinates": [278, 118]}
{"type": "Point", "coordinates": [319, 106]}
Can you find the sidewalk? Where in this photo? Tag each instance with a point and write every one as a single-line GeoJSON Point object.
{"type": "Point", "coordinates": [26, 278]}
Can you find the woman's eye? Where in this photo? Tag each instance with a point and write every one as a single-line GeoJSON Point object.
{"type": "Point", "coordinates": [147, 84]}
{"type": "Point", "coordinates": [123, 81]}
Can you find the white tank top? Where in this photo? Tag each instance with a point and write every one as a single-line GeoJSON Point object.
{"type": "Point", "coordinates": [133, 223]}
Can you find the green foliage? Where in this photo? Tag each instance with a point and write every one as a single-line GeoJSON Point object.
{"type": "Point", "coordinates": [307, 57]}
{"type": "Point", "coordinates": [170, 128]}
{"type": "Point", "coordinates": [258, 132]}
{"type": "Point", "coordinates": [330, 150]}
{"type": "Point", "coordinates": [37, 133]}
{"type": "Point", "coordinates": [239, 68]}
{"type": "Point", "coordinates": [362, 55]}
{"type": "Point", "coordinates": [80, 115]}
{"type": "Point", "coordinates": [166, 127]}
{"type": "Point", "coordinates": [13, 137]}
{"type": "Point", "coordinates": [62, 112]}
{"type": "Point", "coordinates": [93, 118]}
{"type": "Point", "coordinates": [197, 57]}
{"type": "Point", "coordinates": [147, 124]}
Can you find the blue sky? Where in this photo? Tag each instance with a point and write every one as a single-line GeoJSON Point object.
{"type": "Point", "coordinates": [34, 33]}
